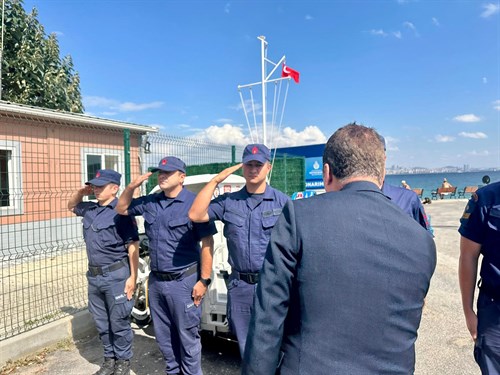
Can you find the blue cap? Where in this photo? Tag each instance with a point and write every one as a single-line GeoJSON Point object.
{"type": "Point", "coordinates": [170, 164]}
{"type": "Point", "coordinates": [257, 152]}
{"type": "Point", "coordinates": [104, 177]}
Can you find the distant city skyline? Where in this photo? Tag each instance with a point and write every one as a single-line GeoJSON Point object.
{"type": "Point", "coordinates": [425, 74]}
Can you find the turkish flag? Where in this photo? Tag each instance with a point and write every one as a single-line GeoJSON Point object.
{"type": "Point", "coordinates": [289, 72]}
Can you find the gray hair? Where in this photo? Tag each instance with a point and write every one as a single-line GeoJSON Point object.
{"type": "Point", "coordinates": [355, 151]}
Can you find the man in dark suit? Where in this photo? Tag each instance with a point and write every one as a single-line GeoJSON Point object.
{"type": "Point", "coordinates": [345, 275]}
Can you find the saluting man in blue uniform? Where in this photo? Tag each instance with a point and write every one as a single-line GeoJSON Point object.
{"type": "Point", "coordinates": [480, 234]}
{"type": "Point", "coordinates": [249, 216]}
{"type": "Point", "coordinates": [113, 255]}
{"type": "Point", "coordinates": [177, 282]}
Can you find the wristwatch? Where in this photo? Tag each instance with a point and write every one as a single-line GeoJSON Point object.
{"type": "Point", "coordinates": [205, 282]}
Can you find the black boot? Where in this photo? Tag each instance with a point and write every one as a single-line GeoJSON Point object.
{"type": "Point", "coordinates": [122, 367]}
{"type": "Point", "coordinates": [107, 368]}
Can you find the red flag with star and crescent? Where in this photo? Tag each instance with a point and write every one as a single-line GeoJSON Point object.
{"type": "Point", "coordinates": [289, 72]}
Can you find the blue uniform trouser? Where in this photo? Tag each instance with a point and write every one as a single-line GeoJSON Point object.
{"type": "Point", "coordinates": [487, 347]}
{"type": "Point", "coordinates": [111, 310]}
{"type": "Point", "coordinates": [239, 309]}
{"type": "Point", "coordinates": [176, 322]}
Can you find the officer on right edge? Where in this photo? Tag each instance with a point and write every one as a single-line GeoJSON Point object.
{"type": "Point", "coordinates": [480, 234]}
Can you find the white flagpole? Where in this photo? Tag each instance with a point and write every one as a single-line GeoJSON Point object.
{"type": "Point", "coordinates": [263, 45]}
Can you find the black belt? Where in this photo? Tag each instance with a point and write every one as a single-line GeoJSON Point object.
{"type": "Point", "coordinates": [170, 276]}
{"type": "Point", "coordinates": [96, 271]}
{"type": "Point", "coordinates": [248, 277]}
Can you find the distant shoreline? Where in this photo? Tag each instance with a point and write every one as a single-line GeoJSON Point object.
{"type": "Point", "coordinates": [435, 171]}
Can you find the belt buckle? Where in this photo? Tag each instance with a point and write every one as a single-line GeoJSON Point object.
{"type": "Point", "coordinates": [253, 278]}
{"type": "Point", "coordinates": [95, 271]}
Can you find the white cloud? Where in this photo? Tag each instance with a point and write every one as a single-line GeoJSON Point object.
{"type": "Point", "coordinates": [397, 34]}
{"type": "Point", "coordinates": [476, 135]}
{"type": "Point", "coordinates": [134, 107]}
{"type": "Point", "coordinates": [444, 138]}
{"type": "Point", "coordinates": [227, 8]}
{"type": "Point", "coordinates": [250, 108]}
{"type": "Point", "coordinates": [291, 137]}
{"type": "Point", "coordinates": [58, 33]}
{"type": "Point", "coordinates": [309, 17]}
{"type": "Point", "coordinates": [435, 21]}
{"type": "Point", "coordinates": [234, 135]}
{"type": "Point", "coordinates": [224, 120]}
{"type": "Point", "coordinates": [470, 117]}
{"type": "Point", "coordinates": [378, 32]}
{"type": "Point", "coordinates": [485, 80]}
{"type": "Point", "coordinates": [391, 143]}
{"type": "Point", "coordinates": [112, 105]}
{"type": "Point", "coordinates": [412, 27]}
{"type": "Point", "coordinates": [490, 9]}
{"type": "Point", "coordinates": [97, 101]}
{"type": "Point", "coordinates": [226, 135]}
{"type": "Point", "coordinates": [479, 153]}
{"type": "Point", "coordinates": [496, 105]}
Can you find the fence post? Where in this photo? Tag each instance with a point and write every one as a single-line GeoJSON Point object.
{"type": "Point", "coordinates": [233, 154]}
{"type": "Point", "coordinates": [126, 144]}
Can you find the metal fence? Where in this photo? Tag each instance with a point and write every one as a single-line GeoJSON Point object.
{"type": "Point", "coordinates": [43, 257]}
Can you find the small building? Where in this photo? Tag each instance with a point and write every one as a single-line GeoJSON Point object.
{"type": "Point", "coordinates": [45, 155]}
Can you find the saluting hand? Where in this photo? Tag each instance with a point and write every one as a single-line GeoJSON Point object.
{"type": "Point", "coordinates": [86, 190]}
{"type": "Point", "coordinates": [226, 172]}
{"type": "Point", "coordinates": [139, 180]}
{"type": "Point", "coordinates": [199, 291]}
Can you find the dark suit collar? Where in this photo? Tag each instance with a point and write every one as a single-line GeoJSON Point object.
{"type": "Point", "coordinates": [361, 186]}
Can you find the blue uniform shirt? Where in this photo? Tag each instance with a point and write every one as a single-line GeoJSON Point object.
{"type": "Point", "coordinates": [408, 201]}
{"type": "Point", "coordinates": [106, 233]}
{"type": "Point", "coordinates": [248, 220]}
{"type": "Point", "coordinates": [481, 223]}
{"type": "Point", "coordinates": [173, 238]}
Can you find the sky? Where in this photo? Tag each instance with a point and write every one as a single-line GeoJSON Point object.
{"type": "Point", "coordinates": [424, 73]}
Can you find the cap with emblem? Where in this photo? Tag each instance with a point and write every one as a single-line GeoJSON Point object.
{"type": "Point", "coordinates": [170, 164]}
{"type": "Point", "coordinates": [257, 152]}
{"type": "Point", "coordinates": [104, 177]}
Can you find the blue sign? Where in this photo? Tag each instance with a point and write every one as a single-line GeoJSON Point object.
{"type": "Point", "coordinates": [314, 173]}
{"type": "Point", "coordinates": [315, 185]}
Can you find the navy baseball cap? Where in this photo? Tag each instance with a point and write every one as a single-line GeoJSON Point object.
{"type": "Point", "coordinates": [257, 152]}
{"type": "Point", "coordinates": [104, 177]}
{"type": "Point", "coordinates": [170, 164]}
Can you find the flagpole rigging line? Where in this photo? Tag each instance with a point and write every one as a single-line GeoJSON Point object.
{"type": "Point", "coordinates": [263, 44]}
{"type": "Point", "coordinates": [246, 115]}
{"type": "Point", "coordinates": [254, 116]}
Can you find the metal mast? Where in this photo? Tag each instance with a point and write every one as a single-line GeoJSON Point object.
{"type": "Point", "coordinates": [265, 80]}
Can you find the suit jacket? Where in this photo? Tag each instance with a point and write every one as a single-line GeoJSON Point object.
{"type": "Point", "coordinates": [342, 287]}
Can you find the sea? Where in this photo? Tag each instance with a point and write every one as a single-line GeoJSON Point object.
{"type": "Point", "coordinates": [431, 181]}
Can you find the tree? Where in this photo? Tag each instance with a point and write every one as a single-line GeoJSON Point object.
{"type": "Point", "coordinates": [32, 71]}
